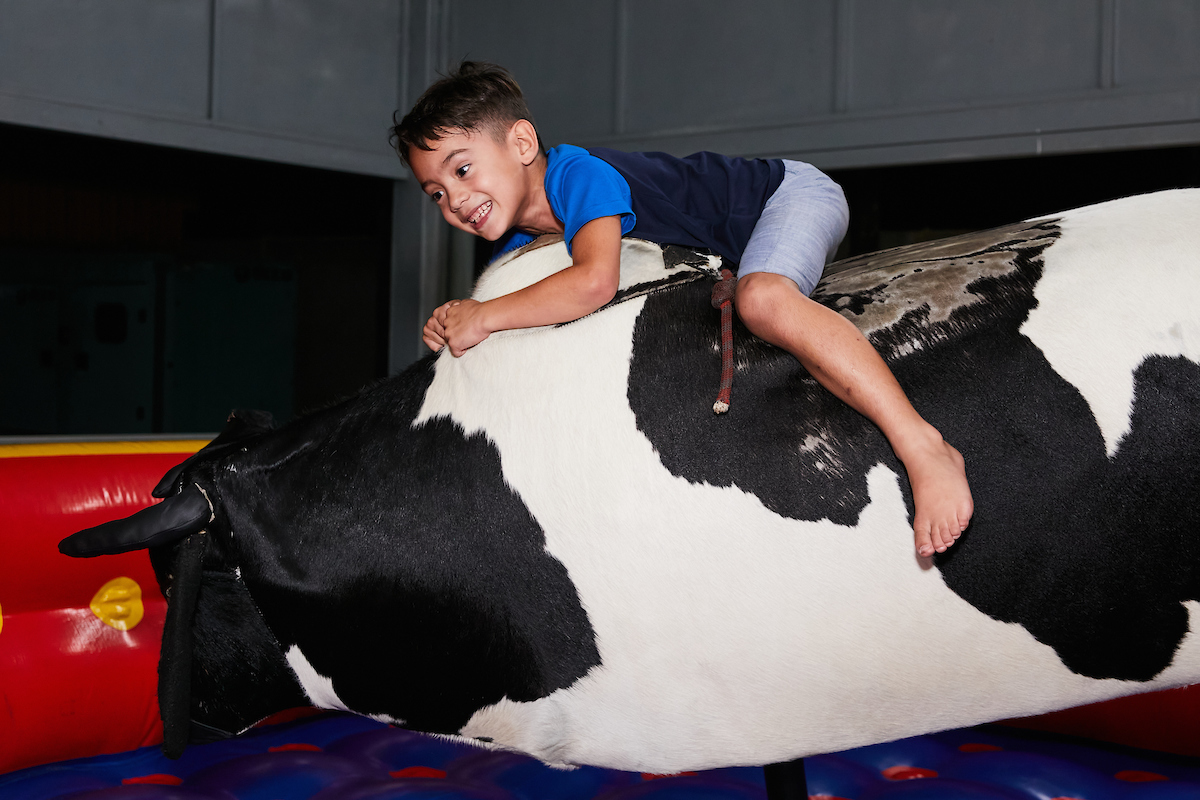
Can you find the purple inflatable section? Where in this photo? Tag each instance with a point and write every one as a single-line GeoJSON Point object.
{"type": "Point", "coordinates": [353, 758]}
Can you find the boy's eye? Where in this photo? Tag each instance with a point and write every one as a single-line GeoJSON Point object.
{"type": "Point", "coordinates": [436, 196]}
{"type": "Point", "coordinates": [462, 171]}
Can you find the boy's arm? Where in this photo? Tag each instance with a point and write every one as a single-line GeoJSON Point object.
{"type": "Point", "coordinates": [586, 285]}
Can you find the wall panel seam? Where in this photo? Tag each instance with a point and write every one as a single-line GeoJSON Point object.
{"type": "Point", "coordinates": [1108, 43]}
{"type": "Point", "coordinates": [621, 66]}
{"type": "Point", "coordinates": [843, 54]}
{"type": "Point", "coordinates": [213, 53]}
{"type": "Point", "coordinates": [991, 137]}
{"type": "Point", "coordinates": [403, 34]}
{"type": "Point", "coordinates": [198, 123]}
{"type": "Point", "coordinates": [1033, 104]}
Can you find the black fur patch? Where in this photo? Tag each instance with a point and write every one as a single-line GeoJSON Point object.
{"type": "Point", "coordinates": [786, 440]}
{"type": "Point", "coordinates": [400, 562]}
{"type": "Point", "coordinates": [1092, 556]}
{"type": "Point", "coordinates": [674, 255]}
{"type": "Point", "coordinates": [238, 675]}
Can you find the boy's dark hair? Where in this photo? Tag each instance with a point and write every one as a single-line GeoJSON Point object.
{"type": "Point", "coordinates": [474, 96]}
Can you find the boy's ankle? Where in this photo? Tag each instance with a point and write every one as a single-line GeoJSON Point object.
{"type": "Point", "coordinates": [919, 442]}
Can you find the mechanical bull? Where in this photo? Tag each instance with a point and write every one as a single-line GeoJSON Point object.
{"type": "Point", "coordinates": [553, 545]}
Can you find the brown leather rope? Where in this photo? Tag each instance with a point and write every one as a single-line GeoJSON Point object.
{"type": "Point", "coordinates": [722, 298]}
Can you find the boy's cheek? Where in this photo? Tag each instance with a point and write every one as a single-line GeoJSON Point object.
{"type": "Point", "coordinates": [453, 220]}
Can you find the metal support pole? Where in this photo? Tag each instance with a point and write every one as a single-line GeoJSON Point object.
{"type": "Point", "coordinates": [786, 781]}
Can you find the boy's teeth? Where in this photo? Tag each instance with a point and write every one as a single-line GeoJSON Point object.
{"type": "Point", "coordinates": [483, 209]}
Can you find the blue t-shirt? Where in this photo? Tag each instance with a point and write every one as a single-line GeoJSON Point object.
{"type": "Point", "coordinates": [704, 200]}
{"type": "Point", "coordinates": [580, 188]}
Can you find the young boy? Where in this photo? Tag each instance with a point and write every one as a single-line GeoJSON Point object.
{"type": "Point", "coordinates": [472, 146]}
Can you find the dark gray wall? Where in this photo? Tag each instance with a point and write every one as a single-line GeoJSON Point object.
{"type": "Point", "coordinates": [850, 83]}
{"type": "Point", "coordinates": [840, 83]}
{"type": "Point", "coordinates": [310, 82]}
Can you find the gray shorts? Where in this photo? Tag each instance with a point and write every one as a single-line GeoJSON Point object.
{"type": "Point", "coordinates": [800, 229]}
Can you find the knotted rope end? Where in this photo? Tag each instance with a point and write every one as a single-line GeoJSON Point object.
{"type": "Point", "coordinates": [722, 297]}
{"type": "Point", "coordinates": [723, 291]}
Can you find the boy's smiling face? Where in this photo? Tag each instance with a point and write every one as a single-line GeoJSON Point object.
{"type": "Point", "coordinates": [481, 184]}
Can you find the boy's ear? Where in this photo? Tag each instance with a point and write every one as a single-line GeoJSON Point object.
{"type": "Point", "coordinates": [524, 138]}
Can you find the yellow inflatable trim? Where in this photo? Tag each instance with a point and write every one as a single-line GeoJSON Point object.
{"type": "Point", "coordinates": [101, 448]}
{"type": "Point", "coordinates": [119, 604]}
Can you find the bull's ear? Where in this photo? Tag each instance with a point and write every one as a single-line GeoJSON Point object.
{"type": "Point", "coordinates": [171, 480]}
{"type": "Point", "coordinates": [174, 518]}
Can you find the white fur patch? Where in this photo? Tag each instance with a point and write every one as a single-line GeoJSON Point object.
{"type": "Point", "coordinates": [316, 686]}
{"type": "Point", "coordinates": [1121, 284]}
{"type": "Point", "coordinates": [728, 634]}
{"type": "Point", "coordinates": [641, 262]}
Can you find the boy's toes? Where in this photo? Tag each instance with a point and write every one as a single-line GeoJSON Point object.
{"type": "Point", "coordinates": [965, 512]}
{"type": "Point", "coordinates": [939, 538]}
{"type": "Point", "coordinates": [922, 534]}
{"type": "Point", "coordinates": [945, 535]}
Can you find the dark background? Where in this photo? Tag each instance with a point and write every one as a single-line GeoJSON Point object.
{"type": "Point", "coordinates": [145, 289]}
{"type": "Point", "coordinates": [148, 289]}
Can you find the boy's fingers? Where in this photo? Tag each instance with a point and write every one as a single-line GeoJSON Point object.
{"type": "Point", "coordinates": [441, 311]}
{"type": "Point", "coordinates": [434, 341]}
{"type": "Point", "coordinates": [433, 335]}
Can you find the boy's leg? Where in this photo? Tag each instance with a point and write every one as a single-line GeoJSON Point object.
{"type": "Point", "coordinates": [837, 355]}
{"type": "Point", "coordinates": [797, 233]}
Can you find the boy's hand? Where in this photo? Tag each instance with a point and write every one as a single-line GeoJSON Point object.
{"type": "Point", "coordinates": [463, 325]}
{"type": "Point", "coordinates": [571, 293]}
{"type": "Point", "coordinates": [459, 324]}
{"type": "Point", "coordinates": [434, 332]}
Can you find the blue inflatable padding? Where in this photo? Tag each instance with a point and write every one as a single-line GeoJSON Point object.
{"type": "Point", "coordinates": [531, 780]}
{"type": "Point", "coordinates": [344, 757]}
{"type": "Point", "coordinates": [838, 776]}
{"type": "Point", "coordinates": [920, 751]}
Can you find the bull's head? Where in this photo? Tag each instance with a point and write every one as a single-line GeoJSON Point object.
{"type": "Point", "coordinates": [356, 558]}
{"type": "Point", "coordinates": [243, 679]}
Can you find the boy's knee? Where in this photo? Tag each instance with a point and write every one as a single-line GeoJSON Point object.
{"type": "Point", "coordinates": [758, 296]}
{"type": "Point", "coordinates": [747, 299]}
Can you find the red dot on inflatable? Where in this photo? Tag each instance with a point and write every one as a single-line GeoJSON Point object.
{"type": "Point", "coordinates": [1139, 776]}
{"type": "Point", "coordinates": [290, 715]}
{"type": "Point", "coordinates": [654, 776]}
{"type": "Point", "coordinates": [418, 772]}
{"type": "Point", "coordinates": [978, 747]}
{"type": "Point", "coordinates": [158, 777]}
{"type": "Point", "coordinates": [908, 773]}
{"type": "Point", "coordinates": [283, 748]}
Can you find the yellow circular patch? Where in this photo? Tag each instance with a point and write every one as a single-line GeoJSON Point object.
{"type": "Point", "coordinates": [119, 604]}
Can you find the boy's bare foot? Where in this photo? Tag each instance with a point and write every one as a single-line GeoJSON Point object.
{"type": "Point", "coordinates": [941, 495]}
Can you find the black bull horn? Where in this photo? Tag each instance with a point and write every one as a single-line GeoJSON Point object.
{"type": "Point", "coordinates": [173, 519]}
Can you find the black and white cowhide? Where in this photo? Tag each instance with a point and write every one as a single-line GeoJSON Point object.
{"type": "Point", "coordinates": [552, 544]}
